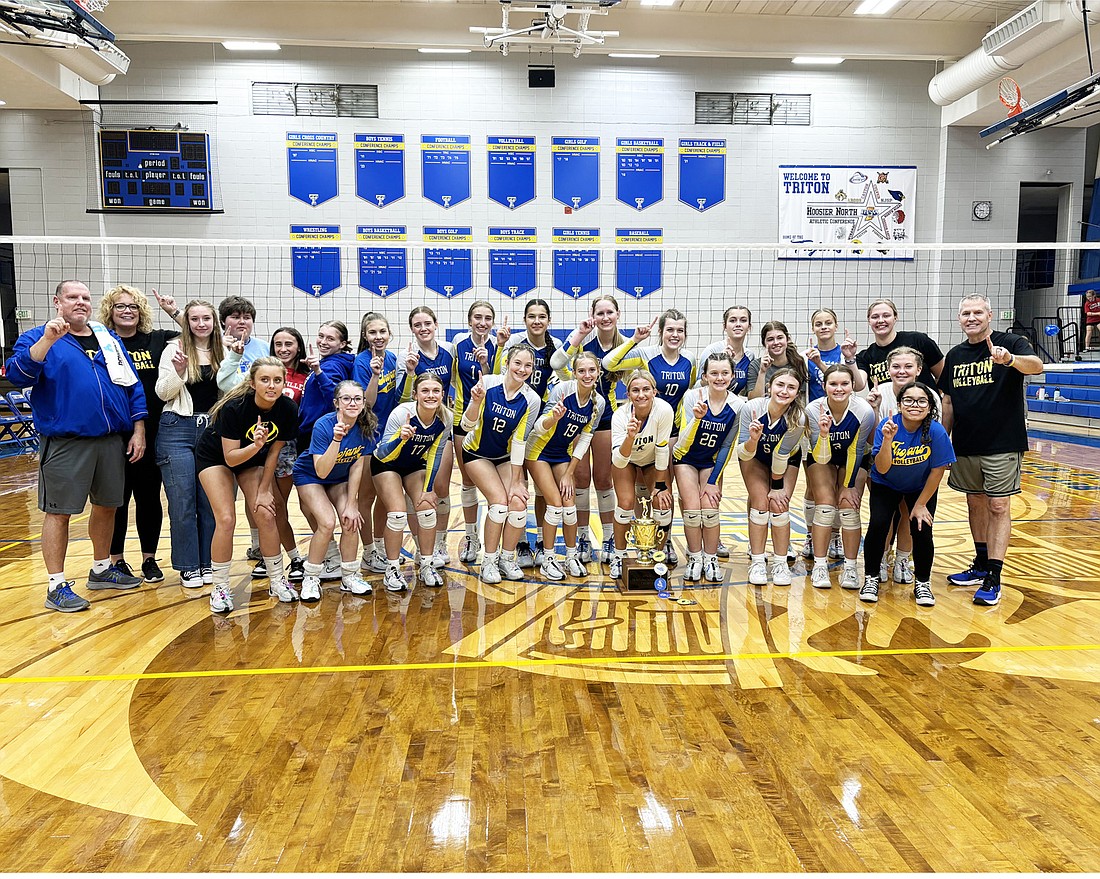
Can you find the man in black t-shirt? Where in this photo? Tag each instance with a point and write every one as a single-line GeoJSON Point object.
{"type": "Point", "coordinates": [984, 409]}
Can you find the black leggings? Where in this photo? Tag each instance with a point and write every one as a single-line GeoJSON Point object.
{"type": "Point", "coordinates": [884, 509]}
{"type": "Point", "coordinates": [143, 484]}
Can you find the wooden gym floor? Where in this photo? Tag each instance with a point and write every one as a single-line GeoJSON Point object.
{"type": "Point", "coordinates": [531, 726]}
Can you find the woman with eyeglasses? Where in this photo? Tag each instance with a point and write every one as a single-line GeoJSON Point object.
{"type": "Point", "coordinates": [911, 453]}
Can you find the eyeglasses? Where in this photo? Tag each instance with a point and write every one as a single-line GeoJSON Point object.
{"type": "Point", "coordinates": [910, 403]}
{"type": "Point", "coordinates": [350, 399]}
{"type": "Point", "coordinates": [122, 306]}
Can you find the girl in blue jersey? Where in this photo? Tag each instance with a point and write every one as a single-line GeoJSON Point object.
{"type": "Point", "coordinates": [708, 429]}
{"type": "Point", "coordinates": [770, 430]}
{"type": "Point", "coordinates": [598, 334]}
{"type": "Point", "coordinates": [557, 446]}
{"type": "Point", "coordinates": [911, 453]}
{"type": "Point", "coordinates": [498, 420]}
{"type": "Point", "coordinates": [329, 362]}
{"type": "Point", "coordinates": [327, 478]}
{"type": "Point", "coordinates": [840, 424]}
{"type": "Point", "coordinates": [408, 461]}
{"type": "Point", "coordinates": [428, 354]}
{"type": "Point", "coordinates": [475, 352]}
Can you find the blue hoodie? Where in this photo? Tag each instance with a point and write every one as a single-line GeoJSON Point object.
{"type": "Point", "coordinates": [73, 395]}
{"type": "Point", "coordinates": [319, 390]}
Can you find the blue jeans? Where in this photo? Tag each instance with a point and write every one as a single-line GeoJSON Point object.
{"type": "Point", "coordinates": [189, 513]}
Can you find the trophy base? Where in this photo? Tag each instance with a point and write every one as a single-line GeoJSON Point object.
{"type": "Point", "coordinates": [639, 576]}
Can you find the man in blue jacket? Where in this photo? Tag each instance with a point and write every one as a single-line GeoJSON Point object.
{"type": "Point", "coordinates": [86, 399]}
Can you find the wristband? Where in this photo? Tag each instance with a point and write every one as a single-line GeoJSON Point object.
{"type": "Point", "coordinates": [777, 484]}
{"type": "Point", "coordinates": [661, 486]}
{"type": "Point", "coordinates": [850, 362]}
{"type": "Point", "coordinates": [175, 314]}
{"type": "Point", "coordinates": [1012, 361]}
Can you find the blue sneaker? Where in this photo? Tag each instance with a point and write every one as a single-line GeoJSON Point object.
{"type": "Point", "coordinates": [113, 578]}
{"type": "Point", "coordinates": [972, 576]}
{"type": "Point", "coordinates": [608, 549]}
{"type": "Point", "coordinates": [989, 594]}
{"type": "Point", "coordinates": [584, 549]}
{"type": "Point", "coordinates": [63, 599]}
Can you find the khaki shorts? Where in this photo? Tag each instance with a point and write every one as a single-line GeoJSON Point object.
{"type": "Point", "coordinates": [72, 469]}
{"type": "Point", "coordinates": [992, 475]}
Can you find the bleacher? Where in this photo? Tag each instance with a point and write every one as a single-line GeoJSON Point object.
{"type": "Point", "coordinates": [1065, 399]}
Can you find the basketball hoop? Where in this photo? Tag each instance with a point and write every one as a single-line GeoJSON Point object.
{"type": "Point", "coordinates": [1011, 96]}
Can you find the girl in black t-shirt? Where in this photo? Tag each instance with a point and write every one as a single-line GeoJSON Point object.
{"type": "Point", "coordinates": [248, 428]}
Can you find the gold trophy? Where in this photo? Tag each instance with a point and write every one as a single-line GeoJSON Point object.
{"type": "Point", "coordinates": [648, 572]}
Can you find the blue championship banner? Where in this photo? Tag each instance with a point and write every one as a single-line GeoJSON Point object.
{"type": "Point", "coordinates": [702, 172]}
{"type": "Point", "coordinates": [511, 170]}
{"type": "Point", "coordinates": [575, 168]}
{"type": "Point", "coordinates": [448, 270]}
{"type": "Point", "coordinates": [576, 272]}
{"type": "Point", "coordinates": [638, 272]}
{"type": "Point", "coordinates": [512, 272]}
{"type": "Point", "coordinates": [639, 171]}
{"type": "Point", "coordinates": [445, 168]}
{"type": "Point", "coordinates": [315, 270]}
{"type": "Point", "coordinates": [311, 169]}
{"type": "Point", "coordinates": [383, 271]}
{"type": "Point", "coordinates": [380, 168]}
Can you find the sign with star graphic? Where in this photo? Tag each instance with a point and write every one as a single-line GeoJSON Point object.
{"type": "Point", "coordinates": [833, 205]}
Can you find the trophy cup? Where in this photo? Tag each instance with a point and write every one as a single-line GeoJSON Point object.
{"type": "Point", "coordinates": [648, 572]}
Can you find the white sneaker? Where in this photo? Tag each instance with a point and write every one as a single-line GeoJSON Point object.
{"type": "Point", "coordinates": [393, 581]}
{"type": "Point", "coordinates": [849, 577]}
{"type": "Point", "coordinates": [490, 571]}
{"type": "Point", "coordinates": [903, 570]}
{"type": "Point", "coordinates": [615, 566]}
{"type": "Point", "coordinates": [884, 568]}
{"type": "Point", "coordinates": [869, 591]}
{"type": "Point", "coordinates": [282, 590]}
{"type": "Point", "coordinates": [220, 600]}
{"type": "Point", "coordinates": [333, 570]}
{"type": "Point", "coordinates": [352, 583]}
{"type": "Point", "coordinates": [711, 572]}
{"type": "Point", "coordinates": [524, 557]}
{"type": "Point", "coordinates": [510, 569]}
{"type": "Point", "coordinates": [429, 576]}
{"type": "Point", "coordinates": [471, 546]}
{"type": "Point", "coordinates": [808, 548]}
{"type": "Point", "coordinates": [779, 573]}
{"type": "Point", "coordinates": [922, 592]}
{"type": "Point", "coordinates": [574, 567]}
{"type": "Point", "coordinates": [441, 558]}
{"type": "Point", "coordinates": [723, 552]}
{"type": "Point", "coordinates": [311, 589]}
{"type": "Point", "coordinates": [819, 577]}
{"type": "Point", "coordinates": [207, 576]}
{"type": "Point", "coordinates": [758, 573]}
{"type": "Point", "coordinates": [584, 550]}
{"type": "Point", "coordinates": [607, 550]}
{"type": "Point", "coordinates": [540, 553]}
{"type": "Point", "coordinates": [836, 547]}
{"type": "Point", "coordinates": [373, 563]}
{"type": "Point", "coordinates": [191, 579]}
{"type": "Point", "coordinates": [551, 568]}
{"type": "Point", "coordinates": [694, 569]}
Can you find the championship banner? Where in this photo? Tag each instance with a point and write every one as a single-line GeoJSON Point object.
{"type": "Point", "coordinates": [512, 272]}
{"type": "Point", "coordinates": [448, 270]}
{"type": "Point", "coordinates": [311, 168]}
{"type": "Point", "coordinates": [639, 171]}
{"type": "Point", "coordinates": [575, 169]}
{"type": "Point", "coordinates": [315, 270]}
{"type": "Point", "coordinates": [638, 272]}
{"type": "Point", "coordinates": [702, 173]}
{"type": "Point", "coordinates": [846, 204]}
{"type": "Point", "coordinates": [383, 271]}
{"type": "Point", "coordinates": [445, 168]}
{"type": "Point", "coordinates": [511, 170]}
{"type": "Point", "coordinates": [576, 272]}
{"type": "Point", "coordinates": [380, 168]}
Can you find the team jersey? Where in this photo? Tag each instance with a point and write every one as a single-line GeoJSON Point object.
{"type": "Point", "coordinates": [846, 443]}
{"type": "Point", "coordinates": [912, 458]}
{"type": "Point", "coordinates": [540, 375]}
{"type": "Point", "coordinates": [817, 375]}
{"type": "Point", "coordinates": [353, 446]}
{"type": "Point", "coordinates": [572, 434]}
{"type": "Point", "coordinates": [707, 441]}
{"type": "Point", "coordinates": [504, 423]}
{"type": "Point", "coordinates": [740, 383]}
{"type": "Point", "coordinates": [605, 386]}
{"type": "Point", "coordinates": [778, 441]}
{"type": "Point", "coordinates": [468, 368]}
{"type": "Point", "coordinates": [424, 448]}
{"type": "Point", "coordinates": [442, 365]}
{"type": "Point", "coordinates": [651, 442]}
{"type": "Point", "coordinates": [673, 379]}
{"type": "Point", "coordinates": [387, 383]}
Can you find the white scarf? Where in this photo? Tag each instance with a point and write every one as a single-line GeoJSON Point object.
{"type": "Point", "coordinates": [118, 367]}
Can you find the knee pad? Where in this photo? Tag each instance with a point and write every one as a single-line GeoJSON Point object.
{"type": "Point", "coordinates": [583, 499]}
{"type": "Point", "coordinates": [808, 509]}
{"type": "Point", "coordinates": [569, 515]}
{"type": "Point", "coordinates": [498, 513]}
{"type": "Point", "coordinates": [397, 521]}
{"type": "Point", "coordinates": [517, 518]}
{"type": "Point", "coordinates": [554, 515]}
{"type": "Point", "coordinates": [693, 518]}
{"type": "Point", "coordinates": [824, 515]}
{"type": "Point", "coordinates": [444, 507]}
{"type": "Point", "coordinates": [849, 520]}
{"type": "Point", "coordinates": [641, 490]}
{"type": "Point", "coordinates": [711, 518]}
{"type": "Point", "coordinates": [468, 495]}
{"type": "Point", "coordinates": [605, 500]}
{"type": "Point", "coordinates": [759, 517]}
{"type": "Point", "coordinates": [426, 518]}
{"type": "Point", "coordinates": [781, 519]}
{"type": "Point", "coordinates": [623, 517]}
{"type": "Point", "coordinates": [662, 517]}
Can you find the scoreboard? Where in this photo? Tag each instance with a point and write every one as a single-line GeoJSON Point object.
{"type": "Point", "coordinates": [156, 170]}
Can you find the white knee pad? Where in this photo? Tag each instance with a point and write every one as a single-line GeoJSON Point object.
{"type": "Point", "coordinates": [426, 518]}
{"type": "Point", "coordinates": [781, 519]}
{"type": "Point", "coordinates": [517, 518]}
{"type": "Point", "coordinates": [623, 517]}
{"type": "Point", "coordinates": [711, 518]}
{"type": "Point", "coordinates": [583, 499]}
{"type": "Point", "coordinates": [569, 515]}
{"type": "Point", "coordinates": [498, 513]}
{"type": "Point", "coordinates": [444, 507]}
{"type": "Point", "coordinates": [662, 517]}
{"type": "Point", "coordinates": [693, 518]}
{"type": "Point", "coordinates": [605, 500]}
{"type": "Point", "coordinates": [824, 515]}
{"type": "Point", "coordinates": [759, 517]}
{"type": "Point", "coordinates": [468, 495]}
{"type": "Point", "coordinates": [849, 520]}
{"type": "Point", "coordinates": [554, 515]}
{"type": "Point", "coordinates": [397, 521]}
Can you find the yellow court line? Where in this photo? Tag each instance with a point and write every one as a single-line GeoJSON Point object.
{"type": "Point", "coordinates": [527, 663]}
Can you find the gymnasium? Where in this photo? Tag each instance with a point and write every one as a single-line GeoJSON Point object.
{"type": "Point", "coordinates": [326, 159]}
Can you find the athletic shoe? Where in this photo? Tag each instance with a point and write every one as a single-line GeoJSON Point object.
{"type": "Point", "coordinates": [584, 549]}
{"type": "Point", "coordinates": [311, 589]}
{"type": "Point", "coordinates": [819, 577]}
{"type": "Point", "coordinates": [333, 570]}
{"type": "Point", "coordinates": [510, 569]}
{"type": "Point", "coordinates": [207, 575]}
{"type": "Point", "coordinates": [922, 592]}
{"type": "Point", "coordinates": [779, 572]}
{"type": "Point", "coordinates": [972, 576]}
{"type": "Point", "coordinates": [429, 576]}
{"type": "Point", "coordinates": [124, 567]}
{"type": "Point", "coordinates": [151, 571]}
{"type": "Point", "coordinates": [440, 557]}
{"type": "Point", "coordinates": [758, 573]}
{"type": "Point", "coordinates": [836, 547]}
{"type": "Point", "coordinates": [722, 552]}
{"type": "Point", "coordinates": [849, 577]}
{"type": "Point", "coordinates": [490, 571]}
{"type": "Point", "coordinates": [694, 569]}
{"type": "Point", "coordinates": [260, 571]}
{"type": "Point", "coordinates": [524, 557]}
{"type": "Point", "coordinates": [903, 570]}
{"type": "Point", "coordinates": [282, 590]}
{"type": "Point", "coordinates": [671, 559]}
{"type": "Point", "coordinates": [540, 552]}
{"type": "Point", "coordinates": [574, 567]}
{"type": "Point", "coordinates": [608, 550]}
{"type": "Point", "coordinates": [112, 578]}
{"type": "Point", "coordinates": [373, 563]}
{"type": "Point", "coordinates": [869, 591]}
{"type": "Point", "coordinates": [615, 566]}
{"type": "Point", "coordinates": [296, 570]}
{"type": "Point", "coordinates": [551, 567]}
{"type": "Point", "coordinates": [64, 600]}
{"type": "Point", "coordinates": [471, 546]}
{"type": "Point", "coordinates": [393, 581]}
{"type": "Point", "coordinates": [711, 572]}
{"type": "Point", "coordinates": [254, 555]}
{"type": "Point", "coordinates": [352, 583]}
{"type": "Point", "coordinates": [884, 569]}
{"type": "Point", "coordinates": [191, 579]}
{"type": "Point", "coordinates": [808, 548]}
{"type": "Point", "coordinates": [220, 600]}
{"type": "Point", "coordinates": [989, 593]}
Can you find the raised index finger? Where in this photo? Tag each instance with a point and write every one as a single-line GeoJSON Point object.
{"type": "Point", "coordinates": [989, 342]}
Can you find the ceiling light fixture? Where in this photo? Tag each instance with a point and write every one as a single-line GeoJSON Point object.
{"type": "Point", "coordinates": [429, 50]}
{"type": "Point", "coordinates": [251, 46]}
{"type": "Point", "coordinates": [632, 55]}
{"type": "Point", "coordinates": [875, 7]}
{"type": "Point", "coordinates": [658, 2]}
{"type": "Point", "coordinates": [817, 59]}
